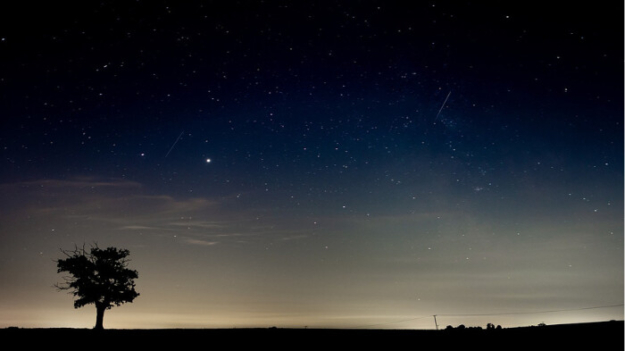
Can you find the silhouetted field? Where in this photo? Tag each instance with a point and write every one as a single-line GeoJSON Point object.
{"type": "Point", "coordinates": [592, 336]}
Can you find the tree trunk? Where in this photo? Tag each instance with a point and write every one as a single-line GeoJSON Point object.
{"type": "Point", "coordinates": [99, 322]}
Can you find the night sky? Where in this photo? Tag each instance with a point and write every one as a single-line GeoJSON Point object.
{"type": "Point", "coordinates": [339, 164]}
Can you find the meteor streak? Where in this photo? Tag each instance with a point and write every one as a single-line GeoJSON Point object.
{"type": "Point", "coordinates": [443, 106]}
{"type": "Point", "coordinates": [175, 142]}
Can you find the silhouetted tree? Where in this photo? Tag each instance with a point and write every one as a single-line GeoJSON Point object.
{"type": "Point", "coordinates": [99, 277]}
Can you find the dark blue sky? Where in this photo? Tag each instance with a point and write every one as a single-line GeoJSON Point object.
{"type": "Point", "coordinates": [383, 143]}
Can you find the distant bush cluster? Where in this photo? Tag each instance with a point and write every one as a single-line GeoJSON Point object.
{"type": "Point", "coordinates": [489, 326]}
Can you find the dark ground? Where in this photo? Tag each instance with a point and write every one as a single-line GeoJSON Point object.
{"type": "Point", "coordinates": [590, 336]}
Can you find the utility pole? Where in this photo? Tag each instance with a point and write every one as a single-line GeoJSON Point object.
{"type": "Point", "coordinates": [435, 322]}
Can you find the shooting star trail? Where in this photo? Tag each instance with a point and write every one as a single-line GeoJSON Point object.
{"type": "Point", "coordinates": [175, 142]}
{"type": "Point", "coordinates": [443, 106]}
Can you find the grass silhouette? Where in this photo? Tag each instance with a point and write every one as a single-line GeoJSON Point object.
{"type": "Point", "coordinates": [600, 335]}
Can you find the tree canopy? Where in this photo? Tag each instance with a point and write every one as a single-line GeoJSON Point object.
{"type": "Point", "coordinates": [100, 277]}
